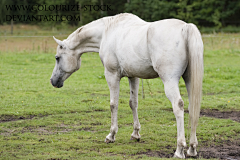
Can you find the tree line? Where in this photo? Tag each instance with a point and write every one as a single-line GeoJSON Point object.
{"type": "Point", "coordinates": [206, 13]}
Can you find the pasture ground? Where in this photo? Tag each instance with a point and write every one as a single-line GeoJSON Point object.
{"type": "Point", "coordinates": [38, 121]}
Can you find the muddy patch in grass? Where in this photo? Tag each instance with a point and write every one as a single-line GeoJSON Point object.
{"type": "Point", "coordinates": [227, 150]}
{"type": "Point", "coordinates": [8, 118]}
{"type": "Point", "coordinates": [233, 115]}
{"type": "Point", "coordinates": [160, 154]}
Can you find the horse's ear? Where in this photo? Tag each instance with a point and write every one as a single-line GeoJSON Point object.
{"type": "Point", "coordinates": [60, 43]}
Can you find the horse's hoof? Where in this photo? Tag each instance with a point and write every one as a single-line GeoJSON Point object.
{"type": "Point", "coordinates": [109, 141]}
{"type": "Point", "coordinates": [177, 155]}
{"type": "Point", "coordinates": [134, 138]}
{"type": "Point", "coordinates": [191, 152]}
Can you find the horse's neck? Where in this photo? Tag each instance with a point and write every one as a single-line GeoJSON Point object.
{"type": "Point", "coordinates": [92, 33]}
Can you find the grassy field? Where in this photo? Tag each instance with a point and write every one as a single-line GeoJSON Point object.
{"type": "Point", "coordinates": [38, 121]}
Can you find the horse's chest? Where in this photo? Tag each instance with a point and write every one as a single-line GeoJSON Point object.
{"type": "Point", "coordinates": [110, 62]}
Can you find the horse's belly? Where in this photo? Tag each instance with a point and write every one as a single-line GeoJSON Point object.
{"type": "Point", "coordinates": [138, 70]}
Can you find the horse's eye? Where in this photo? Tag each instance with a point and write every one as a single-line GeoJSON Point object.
{"type": "Point", "coordinates": [57, 58]}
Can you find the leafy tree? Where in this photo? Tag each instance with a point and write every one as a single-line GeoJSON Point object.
{"type": "Point", "coordinates": [211, 13]}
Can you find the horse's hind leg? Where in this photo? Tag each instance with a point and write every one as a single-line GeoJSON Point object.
{"type": "Point", "coordinates": [133, 102]}
{"type": "Point", "coordinates": [172, 92]}
{"type": "Point", "coordinates": [113, 81]}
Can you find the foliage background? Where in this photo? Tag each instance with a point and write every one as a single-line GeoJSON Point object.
{"type": "Point", "coordinates": [204, 13]}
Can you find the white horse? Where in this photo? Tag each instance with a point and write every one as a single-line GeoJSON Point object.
{"type": "Point", "coordinates": [130, 47]}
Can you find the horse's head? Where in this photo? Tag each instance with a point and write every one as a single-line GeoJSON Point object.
{"type": "Point", "coordinates": [67, 62]}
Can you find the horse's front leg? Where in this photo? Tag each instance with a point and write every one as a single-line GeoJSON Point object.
{"type": "Point", "coordinates": [113, 80]}
{"type": "Point", "coordinates": [133, 102]}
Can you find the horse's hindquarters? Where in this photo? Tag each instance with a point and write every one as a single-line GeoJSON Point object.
{"type": "Point", "coordinates": [167, 48]}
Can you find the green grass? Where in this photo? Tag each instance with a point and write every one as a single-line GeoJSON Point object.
{"type": "Point", "coordinates": [72, 122]}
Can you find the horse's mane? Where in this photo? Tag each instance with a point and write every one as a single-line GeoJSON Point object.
{"type": "Point", "coordinates": [112, 21]}
{"type": "Point", "coordinates": [108, 21]}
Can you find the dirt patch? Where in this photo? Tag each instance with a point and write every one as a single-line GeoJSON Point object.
{"type": "Point", "coordinates": [160, 154]}
{"type": "Point", "coordinates": [42, 131]}
{"type": "Point", "coordinates": [233, 115]}
{"type": "Point", "coordinates": [227, 150]}
{"type": "Point", "coordinates": [8, 118]}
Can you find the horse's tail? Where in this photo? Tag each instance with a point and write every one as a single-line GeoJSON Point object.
{"type": "Point", "coordinates": [195, 70]}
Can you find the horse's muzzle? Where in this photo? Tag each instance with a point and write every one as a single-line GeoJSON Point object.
{"type": "Point", "coordinates": [57, 85]}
